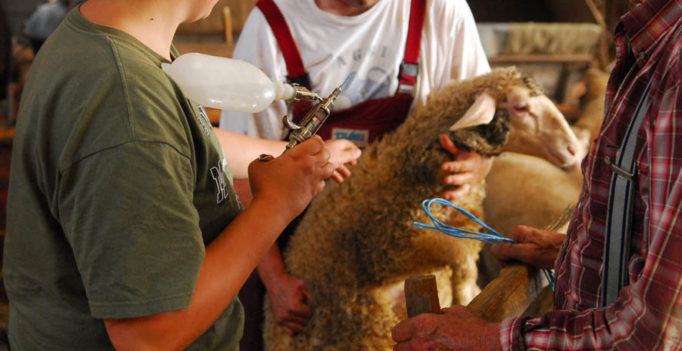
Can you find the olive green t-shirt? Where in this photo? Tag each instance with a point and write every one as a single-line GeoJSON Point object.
{"type": "Point", "coordinates": [117, 184]}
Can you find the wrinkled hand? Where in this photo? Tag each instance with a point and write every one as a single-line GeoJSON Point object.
{"type": "Point", "coordinates": [343, 152]}
{"type": "Point", "coordinates": [465, 169]}
{"type": "Point", "coordinates": [288, 302]}
{"type": "Point", "coordinates": [536, 247]}
{"type": "Point", "coordinates": [455, 329]}
{"type": "Point", "coordinates": [291, 180]}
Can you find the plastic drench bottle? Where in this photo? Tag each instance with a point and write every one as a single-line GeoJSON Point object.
{"type": "Point", "coordinates": [224, 83]}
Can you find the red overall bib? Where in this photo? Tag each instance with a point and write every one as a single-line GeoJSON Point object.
{"type": "Point", "coordinates": [371, 118]}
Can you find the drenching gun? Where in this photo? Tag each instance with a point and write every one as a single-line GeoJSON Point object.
{"type": "Point", "coordinates": [313, 120]}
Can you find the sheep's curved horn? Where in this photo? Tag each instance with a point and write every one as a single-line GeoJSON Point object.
{"type": "Point", "coordinates": [481, 111]}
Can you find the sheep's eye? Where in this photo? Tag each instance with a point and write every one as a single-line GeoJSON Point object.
{"type": "Point", "coordinates": [522, 108]}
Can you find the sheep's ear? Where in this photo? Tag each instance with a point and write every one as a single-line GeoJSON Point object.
{"type": "Point", "coordinates": [481, 112]}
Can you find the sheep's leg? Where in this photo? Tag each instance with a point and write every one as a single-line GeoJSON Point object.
{"type": "Point", "coordinates": [353, 323]}
{"type": "Point", "coordinates": [274, 338]}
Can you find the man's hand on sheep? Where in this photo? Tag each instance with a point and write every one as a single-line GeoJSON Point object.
{"type": "Point", "coordinates": [288, 183]}
{"type": "Point", "coordinates": [536, 247]}
{"type": "Point", "coordinates": [343, 152]}
{"type": "Point", "coordinates": [288, 302]}
{"type": "Point", "coordinates": [465, 169]}
{"type": "Point", "coordinates": [454, 329]}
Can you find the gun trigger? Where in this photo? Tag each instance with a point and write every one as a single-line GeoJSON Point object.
{"type": "Point", "coordinates": [288, 123]}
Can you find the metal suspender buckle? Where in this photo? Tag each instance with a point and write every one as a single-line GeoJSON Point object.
{"type": "Point", "coordinates": [407, 77]}
{"type": "Point", "coordinates": [619, 171]}
{"type": "Point", "coordinates": [408, 70]}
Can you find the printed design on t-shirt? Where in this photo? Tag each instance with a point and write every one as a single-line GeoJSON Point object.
{"type": "Point", "coordinates": [218, 174]}
{"type": "Point", "coordinates": [367, 83]}
{"type": "Point", "coordinates": [375, 85]}
{"type": "Point", "coordinates": [202, 119]}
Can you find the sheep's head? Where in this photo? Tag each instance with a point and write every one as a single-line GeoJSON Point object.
{"type": "Point", "coordinates": [534, 125]}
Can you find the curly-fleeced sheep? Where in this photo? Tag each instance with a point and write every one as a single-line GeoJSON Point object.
{"type": "Point", "coordinates": [356, 244]}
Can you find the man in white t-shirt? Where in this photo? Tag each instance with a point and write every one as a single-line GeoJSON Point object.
{"type": "Point", "coordinates": [393, 52]}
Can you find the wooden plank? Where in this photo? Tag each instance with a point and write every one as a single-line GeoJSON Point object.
{"type": "Point", "coordinates": [215, 49]}
{"type": "Point", "coordinates": [542, 304]}
{"type": "Point", "coordinates": [509, 294]}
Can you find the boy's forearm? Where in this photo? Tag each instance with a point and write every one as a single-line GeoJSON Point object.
{"type": "Point", "coordinates": [228, 262]}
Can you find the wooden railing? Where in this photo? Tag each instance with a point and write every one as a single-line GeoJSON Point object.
{"type": "Point", "coordinates": [518, 289]}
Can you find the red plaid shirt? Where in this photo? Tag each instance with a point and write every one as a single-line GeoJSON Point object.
{"type": "Point", "coordinates": [648, 312]}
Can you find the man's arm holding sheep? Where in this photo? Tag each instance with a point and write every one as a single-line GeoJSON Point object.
{"type": "Point", "coordinates": [464, 170]}
{"type": "Point", "coordinates": [287, 293]}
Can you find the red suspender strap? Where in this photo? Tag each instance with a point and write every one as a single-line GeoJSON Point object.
{"type": "Point", "coordinates": [409, 68]}
{"type": "Point", "coordinates": [280, 29]}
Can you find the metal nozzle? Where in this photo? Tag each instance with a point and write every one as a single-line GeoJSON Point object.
{"type": "Point", "coordinates": [302, 93]}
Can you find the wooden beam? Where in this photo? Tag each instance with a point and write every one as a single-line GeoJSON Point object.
{"type": "Point", "coordinates": [577, 58]}
{"type": "Point", "coordinates": [509, 294]}
{"type": "Point", "coordinates": [598, 16]}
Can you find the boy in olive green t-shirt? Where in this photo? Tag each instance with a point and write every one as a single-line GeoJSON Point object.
{"type": "Point", "coordinates": [123, 227]}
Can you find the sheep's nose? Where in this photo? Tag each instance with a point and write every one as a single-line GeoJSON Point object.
{"type": "Point", "coordinates": [571, 150]}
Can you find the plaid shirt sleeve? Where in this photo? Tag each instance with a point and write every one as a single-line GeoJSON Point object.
{"type": "Point", "coordinates": [648, 313]}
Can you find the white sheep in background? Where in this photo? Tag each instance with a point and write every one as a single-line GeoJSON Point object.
{"type": "Point", "coordinates": [543, 191]}
{"type": "Point", "coordinates": [356, 244]}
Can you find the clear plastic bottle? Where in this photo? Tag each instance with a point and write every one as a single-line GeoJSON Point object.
{"type": "Point", "coordinates": [224, 83]}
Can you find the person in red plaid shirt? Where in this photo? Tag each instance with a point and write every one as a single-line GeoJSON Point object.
{"type": "Point", "coordinates": [648, 312]}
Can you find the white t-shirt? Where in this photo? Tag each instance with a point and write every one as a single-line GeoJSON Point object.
{"type": "Point", "coordinates": [367, 47]}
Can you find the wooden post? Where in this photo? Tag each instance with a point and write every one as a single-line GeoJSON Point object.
{"type": "Point", "coordinates": [227, 21]}
{"type": "Point", "coordinates": [421, 295]}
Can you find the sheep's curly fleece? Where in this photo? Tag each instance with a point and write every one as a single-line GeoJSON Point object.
{"type": "Point", "coordinates": [357, 240]}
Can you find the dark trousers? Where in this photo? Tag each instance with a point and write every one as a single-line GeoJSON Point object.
{"type": "Point", "coordinates": [251, 296]}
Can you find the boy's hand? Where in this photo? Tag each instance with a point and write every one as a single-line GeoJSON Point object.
{"type": "Point", "coordinates": [291, 180]}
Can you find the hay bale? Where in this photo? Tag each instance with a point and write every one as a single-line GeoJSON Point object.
{"type": "Point", "coordinates": [551, 38]}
